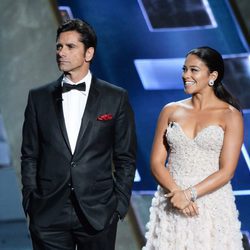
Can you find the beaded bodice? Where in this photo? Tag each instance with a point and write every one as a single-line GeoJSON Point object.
{"type": "Point", "coordinates": [194, 157]}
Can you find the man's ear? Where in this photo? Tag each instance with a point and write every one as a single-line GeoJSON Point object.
{"type": "Point", "coordinates": [89, 54]}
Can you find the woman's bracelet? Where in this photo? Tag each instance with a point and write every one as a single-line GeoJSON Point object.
{"type": "Point", "coordinates": [193, 193]}
{"type": "Point", "coordinates": [184, 191]}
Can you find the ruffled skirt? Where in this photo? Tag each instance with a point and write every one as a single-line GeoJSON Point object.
{"type": "Point", "coordinates": [215, 228]}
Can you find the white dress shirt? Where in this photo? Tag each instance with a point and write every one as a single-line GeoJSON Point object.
{"type": "Point", "coordinates": [74, 103]}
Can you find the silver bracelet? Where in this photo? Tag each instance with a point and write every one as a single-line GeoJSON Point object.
{"type": "Point", "coordinates": [184, 191]}
{"type": "Point", "coordinates": [193, 193]}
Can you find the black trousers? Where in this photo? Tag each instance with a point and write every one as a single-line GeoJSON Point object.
{"type": "Point", "coordinates": [71, 230]}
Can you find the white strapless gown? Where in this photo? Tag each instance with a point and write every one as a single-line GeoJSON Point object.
{"type": "Point", "coordinates": [217, 226]}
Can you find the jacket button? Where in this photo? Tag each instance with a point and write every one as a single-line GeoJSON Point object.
{"type": "Point", "coordinates": [73, 164]}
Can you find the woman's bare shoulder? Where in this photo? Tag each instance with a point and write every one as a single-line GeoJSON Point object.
{"type": "Point", "coordinates": [232, 115]}
{"type": "Point", "coordinates": [173, 106]}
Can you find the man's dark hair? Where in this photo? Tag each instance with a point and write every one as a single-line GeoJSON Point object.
{"type": "Point", "coordinates": [87, 33]}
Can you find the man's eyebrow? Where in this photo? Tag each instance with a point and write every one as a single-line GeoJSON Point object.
{"type": "Point", "coordinates": [70, 43]}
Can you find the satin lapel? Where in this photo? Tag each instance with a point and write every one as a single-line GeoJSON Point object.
{"type": "Point", "coordinates": [57, 98]}
{"type": "Point", "coordinates": [89, 113]}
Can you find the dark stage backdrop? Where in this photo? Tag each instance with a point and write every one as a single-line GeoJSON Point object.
{"type": "Point", "coordinates": [141, 47]}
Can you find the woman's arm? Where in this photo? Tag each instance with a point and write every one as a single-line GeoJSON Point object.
{"type": "Point", "coordinates": [159, 152]}
{"type": "Point", "coordinates": [158, 164]}
{"type": "Point", "coordinates": [233, 139]}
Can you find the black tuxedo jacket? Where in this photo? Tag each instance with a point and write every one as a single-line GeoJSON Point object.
{"type": "Point", "coordinates": [102, 168]}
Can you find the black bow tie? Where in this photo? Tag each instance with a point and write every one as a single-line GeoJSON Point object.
{"type": "Point", "coordinates": [67, 87]}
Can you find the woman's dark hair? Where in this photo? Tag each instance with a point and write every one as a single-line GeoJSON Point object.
{"type": "Point", "coordinates": [87, 33]}
{"type": "Point", "coordinates": [214, 62]}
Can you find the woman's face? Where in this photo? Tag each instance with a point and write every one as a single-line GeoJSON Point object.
{"type": "Point", "coordinates": [196, 75]}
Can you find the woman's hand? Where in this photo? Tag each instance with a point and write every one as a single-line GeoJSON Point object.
{"type": "Point", "coordinates": [181, 200]}
{"type": "Point", "coordinates": [191, 210]}
{"type": "Point", "coordinates": [178, 199]}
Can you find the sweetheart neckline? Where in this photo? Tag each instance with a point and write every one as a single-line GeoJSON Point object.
{"type": "Point", "coordinates": [199, 132]}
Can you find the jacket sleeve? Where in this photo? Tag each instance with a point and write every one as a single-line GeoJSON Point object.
{"type": "Point", "coordinates": [124, 154]}
{"type": "Point", "coordinates": [29, 152]}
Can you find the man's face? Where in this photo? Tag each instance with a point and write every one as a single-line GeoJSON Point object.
{"type": "Point", "coordinates": [71, 54]}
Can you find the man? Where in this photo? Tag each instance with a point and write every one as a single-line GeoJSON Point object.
{"type": "Point", "coordinates": [78, 151]}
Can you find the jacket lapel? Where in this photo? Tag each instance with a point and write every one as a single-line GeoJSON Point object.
{"type": "Point", "coordinates": [57, 98]}
{"type": "Point", "coordinates": [89, 113]}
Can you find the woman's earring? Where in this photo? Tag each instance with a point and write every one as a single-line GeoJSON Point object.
{"type": "Point", "coordinates": [211, 83]}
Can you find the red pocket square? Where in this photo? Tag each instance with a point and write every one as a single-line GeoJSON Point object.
{"type": "Point", "coordinates": [105, 117]}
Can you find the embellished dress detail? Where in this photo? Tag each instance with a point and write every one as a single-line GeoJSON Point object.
{"type": "Point", "coordinates": [217, 226]}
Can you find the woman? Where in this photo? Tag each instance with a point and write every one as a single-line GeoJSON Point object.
{"type": "Point", "coordinates": [201, 138]}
